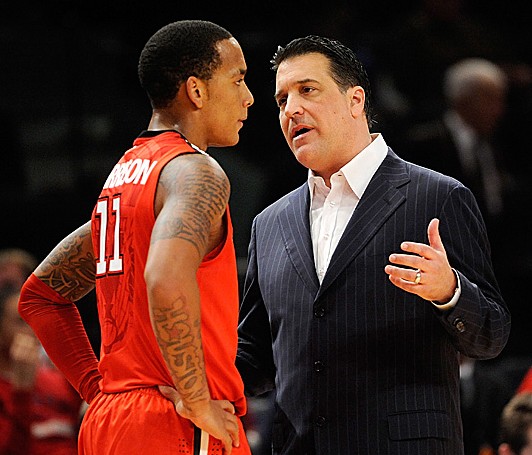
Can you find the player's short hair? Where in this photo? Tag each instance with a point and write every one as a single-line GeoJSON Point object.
{"type": "Point", "coordinates": [176, 52]}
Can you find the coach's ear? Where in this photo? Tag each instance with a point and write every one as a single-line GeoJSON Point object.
{"type": "Point", "coordinates": [357, 97]}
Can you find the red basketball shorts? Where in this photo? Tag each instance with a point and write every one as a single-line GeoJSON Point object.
{"type": "Point", "coordinates": [142, 421]}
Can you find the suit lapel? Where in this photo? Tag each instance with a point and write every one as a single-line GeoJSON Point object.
{"type": "Point", "coordinates": [379, 201]}
{"type": "Point", "coordinates": [295, 229]}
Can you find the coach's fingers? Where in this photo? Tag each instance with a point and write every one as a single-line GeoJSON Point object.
{"type": "Point", "coordinates": [433, 233]}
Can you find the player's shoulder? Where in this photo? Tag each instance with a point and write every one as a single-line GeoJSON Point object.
{"type": "Point", "coordinates": [188, 165]}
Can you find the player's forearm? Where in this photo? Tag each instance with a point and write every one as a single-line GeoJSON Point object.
{"type": "Point", "coordinates": [176, 320]}
{"type": "Point", "coordinates": [57, 323]}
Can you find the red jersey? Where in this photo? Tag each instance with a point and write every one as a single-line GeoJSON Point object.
{"type": "Point", "coordinates": [122, 222]}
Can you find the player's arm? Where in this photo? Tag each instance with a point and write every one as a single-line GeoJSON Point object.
{"type": "Point", "coordinates": [195, 191]}
{"type": "Point", "coordinates": [70, 268]}
{"type": "Point", "coordinates": [47, 305]}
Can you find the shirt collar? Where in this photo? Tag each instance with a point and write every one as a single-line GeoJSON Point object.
{"type": "Point", "coordinates": [359, 171]}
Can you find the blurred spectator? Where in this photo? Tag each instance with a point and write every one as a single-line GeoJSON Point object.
{"type": "Point", "coordinates": [16, 266]}
{"type": "Point", "coordinates": [39, 409]}
{"type": "Point", "coordinates": [485, 388]}
{"type": "Point", "coordinates": [460, 143]}
{"type": "Point", "coordinates": [18, 361]}
{"type": "Point", "coordinates": [424, 42]}
{"type": "Point", "coordinates": [516, 426]}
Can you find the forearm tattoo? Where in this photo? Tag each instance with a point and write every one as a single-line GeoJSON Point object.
{"type": "Point", "coordinates": [179, 338]}
{"type": "Point", "coordinates": [203, 196]}
{"type": "Point", "coordinates": [70, 268]}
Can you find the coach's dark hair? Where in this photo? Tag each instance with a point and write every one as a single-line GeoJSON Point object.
{"type": "Point", "coordinates": [176, 52]}
{"type": "Point", "coordinates": [346, 69]}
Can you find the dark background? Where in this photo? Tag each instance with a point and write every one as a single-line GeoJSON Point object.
{"type": "Point", "coordinates": [71, 104]}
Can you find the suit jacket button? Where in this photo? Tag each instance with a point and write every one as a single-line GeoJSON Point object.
{"type": "Point", "coordinates": [319, 312]}
{"type": "Point", "coordinates": [320, 421]}
{"type": "Point", "coordinates": [459, 325]}
{"type": "Point", "coordinates": [318, 366]}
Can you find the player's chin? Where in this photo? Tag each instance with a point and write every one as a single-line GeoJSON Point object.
{"type": "Point", "coordinates": [232, 140]}
{"type": "Point", "coordinates": [225, 143]}
{"type": "Point", "coordinates": [228, 139]}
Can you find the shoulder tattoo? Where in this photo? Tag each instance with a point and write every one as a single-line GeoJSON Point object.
{"type": "Point", "coordinates": [199, 192]}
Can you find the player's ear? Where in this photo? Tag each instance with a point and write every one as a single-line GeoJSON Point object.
{"type": "Point", "coordinates": [196, 90]}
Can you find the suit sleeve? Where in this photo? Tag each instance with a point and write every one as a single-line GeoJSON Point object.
{"type": "Point", "coordinates": [479, 324]}
{"type": "Point", "coordinates": [254, 357]}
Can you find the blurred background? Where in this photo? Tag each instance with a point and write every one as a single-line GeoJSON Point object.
{"type": "Point", "coordinates": [71, 104]}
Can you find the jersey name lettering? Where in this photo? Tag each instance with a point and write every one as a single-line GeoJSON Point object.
{"type": "Point", "coordinates": [132, 171]}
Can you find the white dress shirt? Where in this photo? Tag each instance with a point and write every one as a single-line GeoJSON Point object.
{"type": "Point", "coordinates": [331, 208]}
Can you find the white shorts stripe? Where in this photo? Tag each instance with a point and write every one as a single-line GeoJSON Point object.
{"type": "Point", "coordinates": [204, 443]}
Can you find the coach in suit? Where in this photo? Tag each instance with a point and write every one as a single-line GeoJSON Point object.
{"type": "Point", "coordinates": [365, 283]}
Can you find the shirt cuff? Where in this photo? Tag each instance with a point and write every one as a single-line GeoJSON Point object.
{"type": "Point", "coordinates": [451, 303]}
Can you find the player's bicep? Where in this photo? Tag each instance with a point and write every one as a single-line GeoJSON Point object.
{"type": "Point", "coordinates": [197, 192]}
{"type": "Point", "coordinates": [70, 268]}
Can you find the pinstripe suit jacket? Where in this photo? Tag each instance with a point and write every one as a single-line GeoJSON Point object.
{"type": "Point", "coordinates": [358, 365]}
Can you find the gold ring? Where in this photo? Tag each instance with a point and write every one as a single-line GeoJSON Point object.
{"type": "Point", "coordinates": [418, 277]}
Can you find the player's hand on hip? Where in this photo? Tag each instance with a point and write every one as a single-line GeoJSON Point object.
{"type": "Point", "coordinates": [216, 417]}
